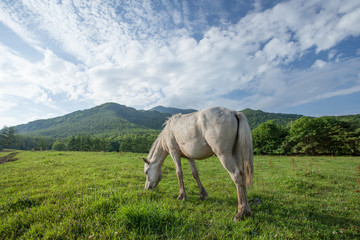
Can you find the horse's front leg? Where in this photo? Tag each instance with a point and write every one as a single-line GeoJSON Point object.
{"type": "Point", "coordinates": [177, 161]}
{"type": "Point", "coordinates": [203, 193]}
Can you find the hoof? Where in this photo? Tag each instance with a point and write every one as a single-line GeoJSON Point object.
{"type": "Point", "coordinates": [204, 195]}
{"type": "Point", "coordinates": [243, 214]}
{"type": "Point", "coordinates": [182, 197]}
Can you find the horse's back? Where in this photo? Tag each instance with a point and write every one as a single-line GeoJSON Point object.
{"type": "Point", "coordinates": [200, 134]}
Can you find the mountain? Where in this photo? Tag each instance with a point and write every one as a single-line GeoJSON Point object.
{"type": "Point", "coordinates": [107, 119]}
{"type": "Point", "coordinates": [256, 117]}
{"type": "Point", "coordinates": [353, 120]}
{"type": "Point", "coordinates": [172, 111]}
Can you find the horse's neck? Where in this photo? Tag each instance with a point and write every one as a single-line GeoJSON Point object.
{"type": "Point", "coordinates": [159, 154]}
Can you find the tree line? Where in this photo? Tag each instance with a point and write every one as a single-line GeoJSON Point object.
{"type": "Point", "coordinates": [124, 143]}
{"type": "Point", "coordinates": [308, 136]}
{"type": "Point", "coordinates": [131, 142]}
{"type": "Point", "coordinates": [305, 136]}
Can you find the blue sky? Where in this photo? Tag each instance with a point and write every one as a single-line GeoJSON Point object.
{"type": "Point", "coordinates": [292, 56]}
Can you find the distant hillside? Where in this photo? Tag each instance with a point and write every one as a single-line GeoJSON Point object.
{"type": "Point", "coordinates": [256, 117]}
{"type": "Point", "coordinates": [354, 120]}
{"type": "Point", "coordinates": [172, 111]}
{"type": "Point", "coordinates": [107, 119]}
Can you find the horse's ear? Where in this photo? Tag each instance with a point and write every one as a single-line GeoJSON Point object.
{"type": "Point", "coordinates": [146, 161]}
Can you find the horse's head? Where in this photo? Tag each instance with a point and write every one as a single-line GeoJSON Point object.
{"type": "Point", "coordinates": [153, 174]}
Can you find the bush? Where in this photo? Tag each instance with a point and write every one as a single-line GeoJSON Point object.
{"type": "Point", "coordinates": [268, 138]}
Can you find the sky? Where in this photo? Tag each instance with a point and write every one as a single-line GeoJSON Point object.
{"type": "Point", "coordinates": [294, 56]}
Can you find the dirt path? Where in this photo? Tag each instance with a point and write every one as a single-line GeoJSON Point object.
{"type": "Point", "coordinates": [8, 158]}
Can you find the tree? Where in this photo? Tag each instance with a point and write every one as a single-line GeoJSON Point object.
{"type": "Point", "coordinates": [59, 146]}
{"type": "Point", "coordinates": [72, 145]}
{"type": "Point", "coordinates": [126, 144]}
{"type": "Point", "coordinates": [43, 143]}
{"type": "Point", "coordinates": [140, 143]}
{"type": "Point", "coordinates": [313, 136]}
{"type": "Point", "coordinates": [353, 142]}
{"type": "Point", "coordinates": [7, 137]}
{"type": "Point", "coordinates": [26, 142]}
{"type": "Point", "coordinates": [333, 139]}
{"type": "Point", "coordinates": [86, 143]}
{"type": "Point", "coordinates": [268, 138]}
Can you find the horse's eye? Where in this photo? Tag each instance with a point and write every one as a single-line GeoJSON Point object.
{"type": "Point", "coordinates": [146, 172]}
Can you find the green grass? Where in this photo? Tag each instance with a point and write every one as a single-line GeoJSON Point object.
{"type": "Point", "coordinates": [78, 195]}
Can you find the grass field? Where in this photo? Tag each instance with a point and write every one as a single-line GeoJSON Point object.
{"type": "Point", "coordinates": [78, 195]}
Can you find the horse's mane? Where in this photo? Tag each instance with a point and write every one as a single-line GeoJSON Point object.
{"type": "Point", "coordinates": [154, 146]}
{"type": "Point", "coordinates": [170, 119]}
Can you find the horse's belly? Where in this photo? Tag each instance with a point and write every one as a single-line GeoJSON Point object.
{"type": "Point", "coordinates": [196, 150]}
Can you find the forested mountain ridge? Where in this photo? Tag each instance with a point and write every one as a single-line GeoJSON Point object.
{"type": "Point", "coordinates": [256, 117]}
{"type": "Point", "coordinates": [112, 119]}
{"type": "Point", "coordinates": [172, 111]}
{"type": "Point", "coordinates": [353, 120]}
{"type": "Point", "coordinates": [106, 119]}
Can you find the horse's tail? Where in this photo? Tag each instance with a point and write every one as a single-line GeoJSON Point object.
{"type": "Point", "coordinates": [244, 148]}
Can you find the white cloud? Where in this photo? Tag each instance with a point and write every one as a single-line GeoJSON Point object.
{"type": "Point", "coordinates": [140, 55]}
{"type": "Point", "coordinates": [282, 89]}
{"type": "Point", "coordinates": [37, 81]}
{"type": "Point", "coordinates": [318, 64]}
{"type": "Point", "coordinates": [340, 92]}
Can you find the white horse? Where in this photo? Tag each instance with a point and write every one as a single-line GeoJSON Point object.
{"type": "Point", "coordinates": [199, 135]}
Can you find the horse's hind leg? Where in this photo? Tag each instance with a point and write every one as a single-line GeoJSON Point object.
{"type": "Point", "coordinates": [203, 193]}
{"type": "Point", "coordinates": [233, 168]}
{"type": "Point", "coordinates": [243, 205]}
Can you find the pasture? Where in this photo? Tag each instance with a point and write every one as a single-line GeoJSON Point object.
{"type": "Point", "coordinates": [82, 195]}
